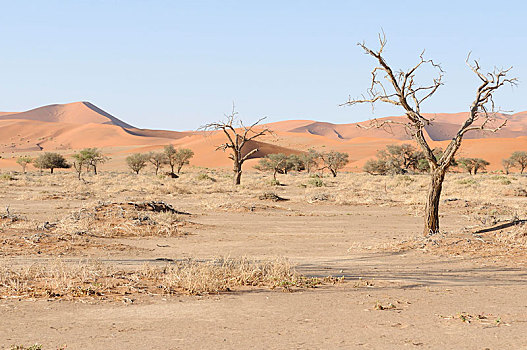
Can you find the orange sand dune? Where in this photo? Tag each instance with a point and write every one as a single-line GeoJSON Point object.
{"type": "Point", "coordinates": [81, 124]}
{"type": "Point", "coordinates": [72, 113]}
{"type": "Point", "coordinates": [443, 127]}
{"type": "Point", "coordinates": [30, 135]}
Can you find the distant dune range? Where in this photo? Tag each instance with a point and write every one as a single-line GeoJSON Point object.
{"type": "Point", "coordinates": [67, 127]}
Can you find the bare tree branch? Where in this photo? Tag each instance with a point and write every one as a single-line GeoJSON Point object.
{"type": "Point", "coordinates": [404, 91]}
{"type": "Point", "coordinates": [237, 135]}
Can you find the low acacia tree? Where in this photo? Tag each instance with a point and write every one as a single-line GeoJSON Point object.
{"type": "Point", "coordinates": [51, 161]}
{"type": "Point", "coordinates": [93, 157]}
{"type": "Point", "coordinates": [507, 165]}
{"type": "Point", "coordinates": [310, 159]}
{"type": "Point", "coordinates": [23, 162]}
{"type": "Point", "coordinates": [334, 161]}
{"type": "Point", "coordinates": [182, 157]}
{"type": "Point", "coordinates": [177, 157]}
{"type": "Point", "coordinates": [473, 165]}
{"type": "Point", "coordinates": [480, 164]}
{"type": "Point", "coordinates": [275, 163]}
{"type": "Point", "coordinates": [519, 159]}
{"type": "Point", "coordinates": [239, 139]}
{"type": "Point", "coordinates": [137, 162]}
{"type": "Point", "coordinates": [80, 161]}
{"type": "Point", "coordinates": [467, 164]}
{"type": "Point", "coordinates": [401, 89]}
{"type": "Point", "coordinates": [157, 160]}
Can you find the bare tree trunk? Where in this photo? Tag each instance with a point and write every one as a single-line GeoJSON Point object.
{"type": "Point", "coordinates": [333, 172]}
{"type": "Point", "coordinates": [432, 203]}
{"type": "Point", "coordinates": [237, 175]}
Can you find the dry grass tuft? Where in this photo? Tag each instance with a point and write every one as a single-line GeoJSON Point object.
{"type": "Point", "coordinates": [123, 219]}
{"type": "Point", "coordinates": [61, 279]}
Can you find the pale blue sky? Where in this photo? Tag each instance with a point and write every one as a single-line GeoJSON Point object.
{"type": "Point", "coordinates": [180, 64]}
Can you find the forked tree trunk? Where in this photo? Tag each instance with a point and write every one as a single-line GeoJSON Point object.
{"type": "Point", "coordinates": [432, 203]}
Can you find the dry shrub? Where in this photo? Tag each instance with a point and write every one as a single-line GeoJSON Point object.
{"type": "Point", "coordinates": [517, 236]}
{"type": "Point", "coordinates": [60, 279]}
{"type": "Point", "coordinates": [272, 197]}
{"type": "Point", "coordinates": [121, 219]}
{"type": "Point", "coordinates": [225, 274]}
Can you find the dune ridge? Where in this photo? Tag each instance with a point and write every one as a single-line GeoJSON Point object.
{"type": "Point", "coordinates": [82, 124]}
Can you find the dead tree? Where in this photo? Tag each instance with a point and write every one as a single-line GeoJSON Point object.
{"type": "Point", "coordinates": [238, 140]}
{"type": "Point", "coordinates": [400, 88]}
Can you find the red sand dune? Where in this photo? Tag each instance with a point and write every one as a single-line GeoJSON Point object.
{"type": "Point", "coordinates": [443, 127]}
{"type": "Point", "coordinates": [71, 113]}
{"type": "Point", "coordinates": [81, 124]}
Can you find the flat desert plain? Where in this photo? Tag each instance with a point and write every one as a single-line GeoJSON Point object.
{"type": "Point", "coordinates": [124, 261]}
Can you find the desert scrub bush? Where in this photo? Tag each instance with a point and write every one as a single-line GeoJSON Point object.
{"type": "Point", "coordinates": [92, 279]}
{"type": "Point", "coordinates": [205, 177]}
{"type": "Point", "coordinates": [223, 275]}
{"type": "Point", "coordinates": [7, 177]}
{"type": "Point", "coordinates": [23, 347]}
{"type": "Point", "coordinates": [467, 181]}
{"type": "Point", "coordinates": [315, 180]}
{"type": "Point", "coordinates": [272, 197]}
{"type": "Point", "coordinates": [504, 180]}
{"type": "Point", "coordinates": [274, 182]}
{"type": "Point", "coordinates": [516, 236]}
{"type": "Point", "coordinates": [404, 180]}
{"type": "Point", "coordinates": [122, 219]}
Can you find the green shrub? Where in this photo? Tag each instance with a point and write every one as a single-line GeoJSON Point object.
{"type": "Point", "coordinates": [316, 182]}
{"type": "Point", "coordinates": [468, 181]}
{"type": "Point", "coordinates": [274, 182]}
{"type": "Point", "coordinates": [7, 177]}
{"type": "Point", "coordinates": [205, 177]}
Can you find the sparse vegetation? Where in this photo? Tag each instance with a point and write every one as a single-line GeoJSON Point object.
{"type": "Point", "coordinates": [88, 158]}
{"type": "Point", "coordinates": [473, 165]}
{"type": "Point", "coordinates": [157, 160]}
{"type": "Point", "coordinates": [23, 162]}
{"type": "Point", "coordinates": [334, 161]}
{"type": "Point", "coordinates": [177, 158]}
{"type": "Point", "coordinates": [51, 161]}
{"type": "Point", "coordinates": [96, 280]}
{"type": "Point", "coordinates": [277, 163]}
{"type": "Point", "coordinates": [137, 162]}
{"type": "Point", "coordinates": [519, 159]}
{"type": "Point", "coordinates": [400, 159]}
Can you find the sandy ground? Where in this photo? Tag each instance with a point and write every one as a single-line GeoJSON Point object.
{"type": "Point", "coordinates": [391, 298]}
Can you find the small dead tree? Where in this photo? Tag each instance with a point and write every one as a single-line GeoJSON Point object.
{"type": "Point", "coordinates": [400, 88]}
{"type": "Point", "coordinates": [238, 140]}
